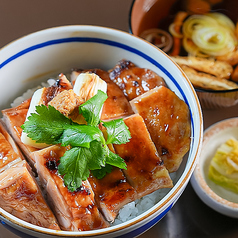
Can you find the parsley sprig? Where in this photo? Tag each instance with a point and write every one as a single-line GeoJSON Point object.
{"type": "Point", "coordinates": [88, 148]}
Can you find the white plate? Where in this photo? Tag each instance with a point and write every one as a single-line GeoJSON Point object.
{"type": "Point", "coordinates": [216, 197]}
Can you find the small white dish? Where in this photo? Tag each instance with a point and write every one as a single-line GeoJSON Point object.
{"type": "Point", "coordinates": [215, 196]}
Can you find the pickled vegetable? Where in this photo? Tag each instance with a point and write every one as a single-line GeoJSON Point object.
{"type": "Point", "coordinates": [223, 169]}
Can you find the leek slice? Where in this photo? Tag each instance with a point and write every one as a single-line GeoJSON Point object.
{"type": "Point", "coordinates": [213, 34]}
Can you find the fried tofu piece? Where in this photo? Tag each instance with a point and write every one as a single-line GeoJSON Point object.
{"type": "Point", "coordinates": [134, 81]}
{"type": "Point", "coordinates": [76, 211]}
{"type": "Point", "coordinates": [145, 169]}
{"type": "Point", "coordinates": [217, 68]}
{"type": "Point", "coordinates": [112, 192]}
{"type": "Point", "coordinates": [67, 102]}
{"type": "Point", "coordinates": [207, 81]}
{"type": "Point", "coordinates": [167, 118]}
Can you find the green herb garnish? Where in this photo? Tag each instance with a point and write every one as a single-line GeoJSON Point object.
{"type": "Point", "coordinates": [89, 150]}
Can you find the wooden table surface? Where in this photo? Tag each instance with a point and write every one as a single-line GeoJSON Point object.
{"type": "Point", "coordinates": [189, 217]}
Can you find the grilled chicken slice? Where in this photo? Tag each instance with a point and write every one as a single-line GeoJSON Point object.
{"type": "Point", "coordinates": [14, 118]}
{"type": "Point", "coordinates": [116, 105]}
{"type": "Point", "coordinates": [21, 196]}
{"type": "Point", "coordinates": [19, 193]}
{"type": "Point", "coordinates": [168, 121]}
{"type": "Point", "coordinates": [9, 152]}
{"type": "Point", "coordinates": [145, 169]}
{"type": "Point", "coordinates": [76, 211]}
{"type": "Point", "coordinates": [112, 192]}
{"type": "Point", "coordinates": [134, 81]}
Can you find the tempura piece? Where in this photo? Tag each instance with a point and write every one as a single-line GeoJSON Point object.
{"type": "Point", "coordinates": [215, 67]}
{"type": "Point", "coordinates": [207, 81]}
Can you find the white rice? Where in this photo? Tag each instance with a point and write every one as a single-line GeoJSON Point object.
{"type": "Point", "coordinates": [130, 210]}
{"type": "Point", "coordinates": [30, 92]}
{"type": "Point", "coordinates": [137, 207]}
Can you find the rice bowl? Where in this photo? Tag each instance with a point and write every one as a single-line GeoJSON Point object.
{"type": "Point", "coordinates": [48, 52]}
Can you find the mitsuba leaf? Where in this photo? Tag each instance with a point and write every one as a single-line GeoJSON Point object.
{"type": "Point", "coordinates": [115, 160]}
{"type": "Point", "coordinates": [89, 150]}
{"type": "Point", "coordinates": [117, 132]}
{"type": "Point", "coordinates": [73, 167]}
{"type": "Point", "coordinates": [81, 135]}
{"type": "Point", "coordinates": [99, 153]}
{"type": "Point", "coordinates": [100, 173]}
{"type": "Point", "coordinates": [46, 125]}
{"type": "Point", "coordinates": [91, 109]}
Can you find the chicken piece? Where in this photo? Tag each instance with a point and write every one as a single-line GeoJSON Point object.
{"type": "Point", "coordinates": [21, 196]}
{"type": "Point", "coordinates": [145, 169]}
{"type": "Point", "coordinates": [112, 192]}
{"type": "Point", "coordinates": [116, 105]}
{"type": "Point", "coordinates": [134, 81]}
{"type": "Point", "coordinates": [9, 152]}
{"type": "Point", "coordinates": [19, 193]}
{"type": "Point", "coordinates": [76, 211]}
{"type": "Point", "coordinates": [14, 118]}
{"type": "Point", "coordinates": [218, 68]}
{"type": "Point", "coordinates": [67, 102]}
{"type": "Point", "coordinates": [167, 118]}
{"type": "Point", "coordinates": [207, 81]}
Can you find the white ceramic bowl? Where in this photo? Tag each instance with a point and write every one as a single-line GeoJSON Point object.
{"type": "Point", "coordinates": [213, 195]}
{"type": "Point", "coordinates": [27, 61]}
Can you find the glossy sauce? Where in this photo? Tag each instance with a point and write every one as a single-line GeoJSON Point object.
{"type": "Point", "coordinates": [80, 203]}
{"type": "Point", "coordinates": [168, 121]}
{"type": "Point", "coordinates": [112, 192]}
{"type": "Point", "coordinates": [145, 169]}
{"type": "Point", "coordinates": [132, 80]}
